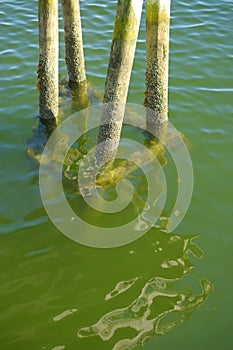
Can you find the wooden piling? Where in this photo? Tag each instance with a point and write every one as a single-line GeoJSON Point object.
{"type": "Point", "coordinates": [48, 61]}
{"type": "Point", "coordinates": [124, 39]}
{"type": "Point", "coordinates": [74, 49]}
{"type": "Point", "coordinates": [157, 55]}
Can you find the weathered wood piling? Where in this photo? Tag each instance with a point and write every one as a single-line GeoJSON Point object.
{"type": "Point", "coordinates": [48, 61]}
{"type": "Point", "coordinates": [157, 56]}
{"type": "Point", "coordinates": [124, 40]}
{"type": "Point", "coordinates": [73, 41]}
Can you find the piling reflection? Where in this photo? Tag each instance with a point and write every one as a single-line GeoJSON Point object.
{"type": "Point", "coordinates": [78, 297]}
{"type": "Point", "coordinates": [161, 305]}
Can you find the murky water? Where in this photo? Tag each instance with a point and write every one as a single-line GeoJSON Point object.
{"type": "Point", "coordinates": [57, 294]}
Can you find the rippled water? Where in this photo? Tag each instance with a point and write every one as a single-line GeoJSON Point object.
{"type": "Point", "coordinates": [53, 291]}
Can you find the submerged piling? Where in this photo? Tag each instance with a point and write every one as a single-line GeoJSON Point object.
{"type": "Point", "coordinates": [124, 39]}
{"type": "Point", "coordinates": [157, 56]}
{"type": "Point", "coordinates": [74, 50]}
{"type": "Point", "coordinates": [48, 61]}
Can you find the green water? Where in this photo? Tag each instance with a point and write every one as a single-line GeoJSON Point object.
{"type": "Point", "coordinates": [54, 290]}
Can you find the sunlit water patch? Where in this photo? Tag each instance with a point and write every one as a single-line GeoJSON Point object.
{"type": "Point", "coordinates": [160, 306]}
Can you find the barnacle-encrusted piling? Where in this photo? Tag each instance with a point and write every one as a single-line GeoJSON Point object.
{"type": "Point", "coordinates": [157, 55]}
{"type": "Point", "coordinates": [118, 76]}
{"type": "Point", "coordinates": [48, 61]}
{"type": "Point", "coordinates": [74, 52]}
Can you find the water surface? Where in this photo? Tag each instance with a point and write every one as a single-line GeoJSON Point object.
{"type": "Point", "coordinates": [53, 290]}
